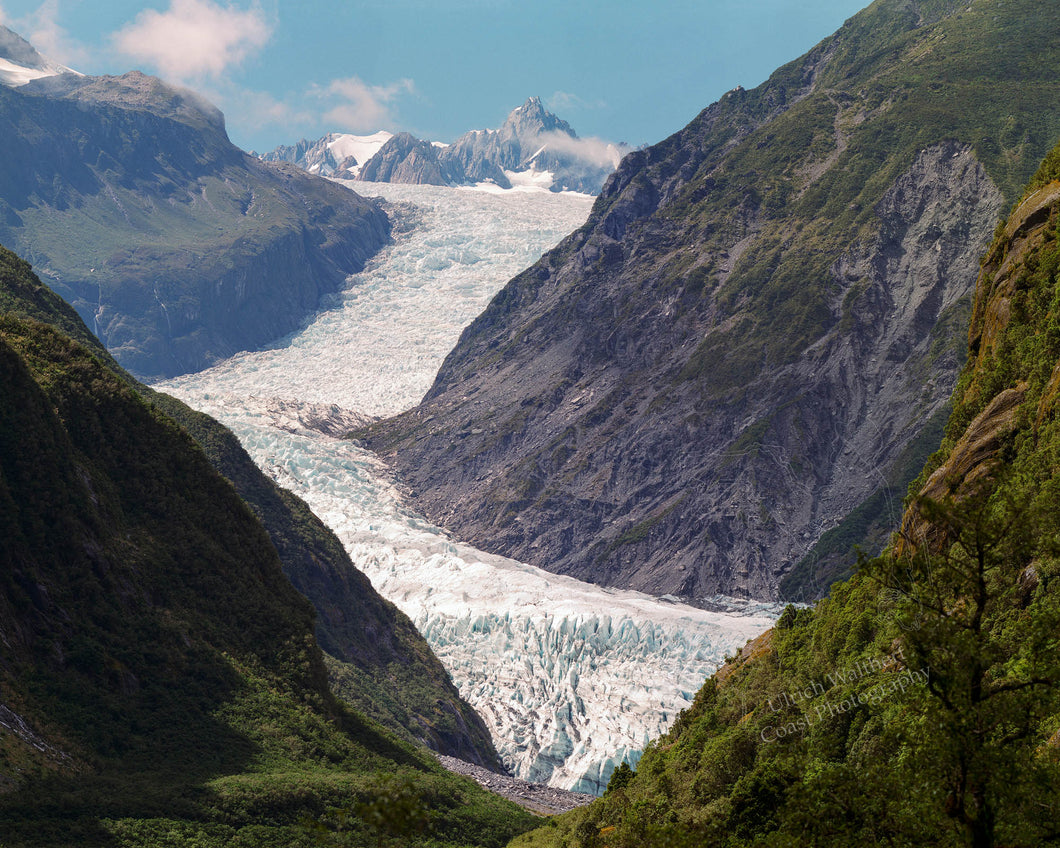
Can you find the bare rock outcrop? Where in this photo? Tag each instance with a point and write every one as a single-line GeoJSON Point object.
{"type": "Point", "coordinates": [747, 338]}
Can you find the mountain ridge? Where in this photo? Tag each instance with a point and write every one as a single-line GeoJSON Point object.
{"type": "Point", "coordinates": [176, 247]}
{"type": "Point", "coordinates": [918, 703]}
{"type": "Point", "coordinates": [373, 651]}
{"type": "Point", "coordinates": [532, 142]}
{"type": "Point", "coordinates": [669, 400]}
{"type": "Point", "coordinates": [160, 678]}
{"type": "Point", "coordinates": [21, 63]}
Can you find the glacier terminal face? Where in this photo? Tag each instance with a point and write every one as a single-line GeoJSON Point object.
{"type": "Point", "coordinates": [571, 678]}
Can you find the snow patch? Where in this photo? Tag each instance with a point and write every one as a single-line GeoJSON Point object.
{"type": "Point", "coordinates": [521, 181]}
{"type": "Point", "coordinates": [15, 75]}
{"type": "Point", "coordinates": [360, 147]}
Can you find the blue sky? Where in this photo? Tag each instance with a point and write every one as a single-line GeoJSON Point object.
{"type": "Point", "coordinates": [621, 70]}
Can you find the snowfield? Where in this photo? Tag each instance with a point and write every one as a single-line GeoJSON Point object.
{"type": "Point", "coordinates": [570, 677]}
{"type": "Point", "coordinates": [360, 147]}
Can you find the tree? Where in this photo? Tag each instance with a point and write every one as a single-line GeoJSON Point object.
{"type": "Point", "coordinates": [620, 777]}
{"type": "Point", "coordinates": [980, 614]}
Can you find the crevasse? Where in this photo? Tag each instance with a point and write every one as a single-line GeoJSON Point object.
{"type": "Point", "coordinates": [571, 678]}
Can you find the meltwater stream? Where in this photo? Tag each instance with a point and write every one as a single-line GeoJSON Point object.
{"type": "Point", "coordinates": [571, 678]}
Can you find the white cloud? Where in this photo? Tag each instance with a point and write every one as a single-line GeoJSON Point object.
{"type": "Point", "coordinates": [255, 110]}
{"type": "Point", "coordinates": [595, 151]}
{"type": "Point", "coordinates": [41, 29]}
{"type": "Point", "coordinates": [194, 39]}
{"type": "Point", "coordinates": [359, 107]}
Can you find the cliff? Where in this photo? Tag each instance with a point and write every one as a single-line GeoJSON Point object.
{"type": "Point", "coordinates": [918, 703]}
{"type": "Point", "coordinates": [758, 324]}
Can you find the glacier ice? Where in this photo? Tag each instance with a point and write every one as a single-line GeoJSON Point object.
{"type": "Point", "coordinates": [571, 678]}
{"type": "Point", "coordinates": [377, 348]}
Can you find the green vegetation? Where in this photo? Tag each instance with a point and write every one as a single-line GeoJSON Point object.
{"type": "Point", "coordinates": [165, 668]}
{"type": "Point", "coordinates": [918, 704]}
{"type": "Point", "coordinates": [878, 718]}
{"type": "Point", "coordinates": [898, 78]}
{"type": "Point", "coordinates": [397, 681]}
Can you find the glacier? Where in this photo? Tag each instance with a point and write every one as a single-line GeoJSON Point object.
{"type": "Point", "coordinates": [571, 678]}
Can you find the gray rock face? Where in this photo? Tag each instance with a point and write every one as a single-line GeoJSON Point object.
{"type": "Point", "coordinates": [312, 156]}
{"type": "Point", "coordinates": [539, 798]}
{"type": "Point", "coordinates": [483, 155]}
{"type": "Point", "coordinates": [760, 315]}
{"type": "Point", "coordinates": [707, 503]}
{"type": "Point", "coordinates": [175, 246]}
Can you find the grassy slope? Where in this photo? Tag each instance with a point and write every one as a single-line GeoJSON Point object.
{"type": "Point", "coordinates": [153, 643]}
{"type": "Point", "coordinates": [378, 661]}
{"type": "Point", "coordinates": [766, 757]}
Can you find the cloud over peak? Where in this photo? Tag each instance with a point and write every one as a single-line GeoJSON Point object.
{"type": "Point", "coordinates": [194, 39]}
{"type": "Point", "coordinates": [359, 106]}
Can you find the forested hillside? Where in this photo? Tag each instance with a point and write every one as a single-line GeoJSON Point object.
{"type": "Point", "coordinates": [159, 677]}
{"type": "Point", "coordinates": [919, 704]}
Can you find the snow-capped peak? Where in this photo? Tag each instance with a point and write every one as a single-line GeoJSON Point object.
{"type": "Point", "coordinates": [20, 62]}
{"type": "Point", "coordinates": [360, 147]}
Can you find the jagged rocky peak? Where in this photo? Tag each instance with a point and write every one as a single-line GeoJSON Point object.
{"type": "Point", "coordinates": [407, 159]}
{"type": "Point", "coordinates": [532, 119]}
{"type": "Point", "coordinates": [20, 62]}
{"type": "Point", "coordinates": [531, 139]}
{"type": "Point", "coordinates": [532, 142]}
{"type": "Point", "coordinates": [336, 154]}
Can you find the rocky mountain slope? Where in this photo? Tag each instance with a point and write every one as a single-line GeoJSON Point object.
{"type": "Point", "coordinates": [919, 703]}
{"type": "Point", "coordinates": [531, 143]}
{"type": "Point", "coordinates": [377, 660]}
{"type": "Point", "coordinates": [760, 317]}
{"type": "Point", "coordinates": [407, 159]}
{"type": "Point", "coordinates": [159, 677]}
{"type": "Point", "coordinates": [175, 246]}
